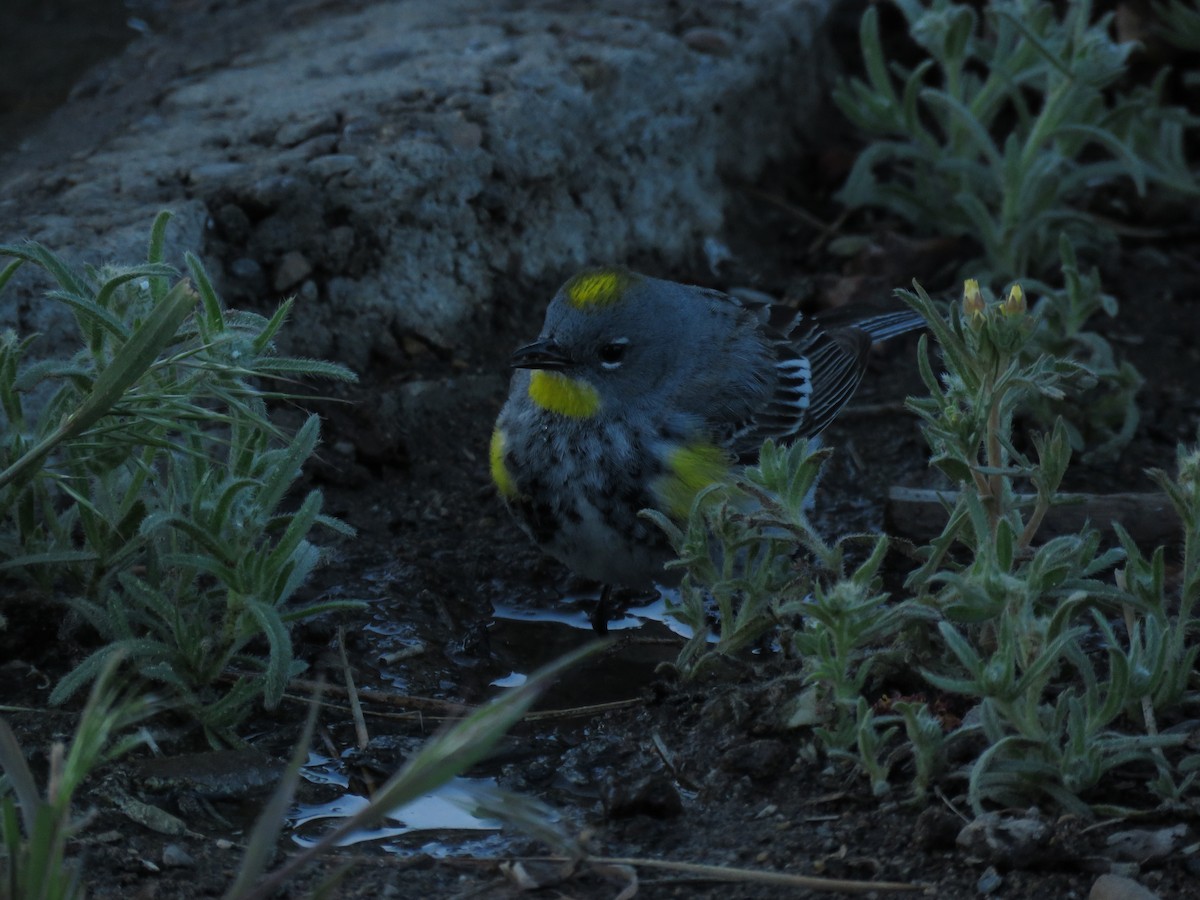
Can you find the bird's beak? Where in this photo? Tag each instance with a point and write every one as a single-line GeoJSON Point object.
{"type": "Point", "coordinates": [540, 355]}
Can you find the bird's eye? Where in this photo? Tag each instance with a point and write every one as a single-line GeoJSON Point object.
{"type": "Point", "coordinates": [612, 354]}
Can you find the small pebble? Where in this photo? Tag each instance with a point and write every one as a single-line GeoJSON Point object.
{"type": "Point", "coordinates": [713, 41]}
{"type": "Point", "coordinates": [243, 269]}
{"type": "Point", "coordinates": [989, 882]}
{"type": "Point", "coordinates": [293, 268]}
{"type": "Point", "coordinates": [175, 857]}
{"type": "Point", "coordinates": [1118, 887]}
{"type": "Point", "coordinates": [332, 164]}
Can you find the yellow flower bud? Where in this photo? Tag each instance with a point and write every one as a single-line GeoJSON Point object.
{"type": "Point", "coordinates": [1014, 303]}
{"type": "Point", "coordinates": [973, 304]}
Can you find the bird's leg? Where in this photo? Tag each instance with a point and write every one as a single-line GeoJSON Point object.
{"type": "Point", "coordinates": [602, 611]}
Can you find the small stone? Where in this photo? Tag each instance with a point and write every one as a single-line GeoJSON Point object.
{"type": "Point", "coordinates": [175, 857]}
{"type": "Point", "coordinates": [152, 817]}
{"type": "Point", "coordinates": [245, 269]}
{"type": "Point", "coordinates": [293, 268]}
{"type": "Point", "coordinates": [321, 145]}
{"type": "Point", "coordinates": [1142, 845]}
{"type": "Point", "coordinates": [271, 191]}
{"type": "Point", "coordinates": [1118, 887]}
{"type": "Point", "coordinates": [293, 133]}
{"type": "Point", "coordinates": [1011, 841]}
{"type": "Point", "coordinates": [989, 882]}
{"type": "Point", "coordinates": [712, 41]}
{"type": "Point", "coordinates": [219, 172]}
{"type": "Point", "coordinates": [463, 135]}
{"type": "Point", "coordinates": [332, 164]}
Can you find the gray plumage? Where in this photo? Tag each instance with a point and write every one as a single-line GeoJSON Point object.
{"type": "Point", "coordinates": [665, 366]}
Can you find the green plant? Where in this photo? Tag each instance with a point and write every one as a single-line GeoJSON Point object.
{"type": "Point", "coordinates": [730, 556]}
{"type": "Point", "coordinates": [1006, 133]}
{"type": "Point", "coordinates": [1178, 23]}
{"type": "Point", "coordinates": [1016, 613]}
{"type": "Point", "coordinates": [1071, 656]}
{"type": "Point", "coordinates": [35, 830]}
{"type": "Point", "coordinates": [844, 625]}
{"type": "Point", "coordinates": [1008, 128]}
{"type": "Point", "coordinates": [149, 488]}
{"type": "Point", "coordinates": [968, 415]}
{"type": "Point", "coordinates": [1100, 413]}
{"type": "Point", "coordinates": [749, 549]}
{"type": "Point", "coordinates": [1165, 642]}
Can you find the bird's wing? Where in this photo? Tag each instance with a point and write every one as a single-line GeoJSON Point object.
{"type": "Point", "coordinates": [816, 371]}
{"type": "Point", "coordinates": [791, 373]}
{"type": "Point", "coordinates": [819, 363]}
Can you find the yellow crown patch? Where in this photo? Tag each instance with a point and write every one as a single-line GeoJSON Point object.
{"type": "Point", "coordinates": [598, 288]}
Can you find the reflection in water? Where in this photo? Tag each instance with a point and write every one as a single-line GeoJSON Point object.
{"type": "Point", "coordinates": [573, 611]}
{"type": "Point", "coordinates": [526, 635]}
{"type": "Point", "coordinates": [444, 809]}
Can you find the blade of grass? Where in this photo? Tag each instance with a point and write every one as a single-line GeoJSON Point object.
{"type": "Point", "coordinates": [455, 750]}
{"type": "Point", "coordinates": [265, 835]}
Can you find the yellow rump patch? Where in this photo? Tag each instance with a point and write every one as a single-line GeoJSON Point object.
{"type": "Point", "coordinates": [500, 473]}
{"type": "Point", "coordinates": [691, 468]}
{"type": "Point", "coordinates": [557, 393]}
{"type": "Point", "coordinates": [598, 288]}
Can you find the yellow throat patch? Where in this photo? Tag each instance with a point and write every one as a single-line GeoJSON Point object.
{"type": "Point", "coordinates": [557, 393]}
{"type": "Point", "coordinates": [598, 288]}
{"type": "Point", "coordinates": [500, 474]}
{"type": "Point", "coordinates": [690, 469]}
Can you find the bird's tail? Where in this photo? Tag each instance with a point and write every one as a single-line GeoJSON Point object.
{"type": "Point", "coordinates": [890, 324]}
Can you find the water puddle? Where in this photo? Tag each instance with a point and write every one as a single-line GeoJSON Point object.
{"type": "Point", "coordinates": [521, 636]}
{"type": "Point", "coordinates": [573, 611]}
{"type": "Point", "coordinates": [445, 811]}
{"type": "Point", "coordinates": [525, 635]}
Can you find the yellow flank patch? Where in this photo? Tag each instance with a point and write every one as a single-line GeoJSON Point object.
{"type": "Point", "coordinates": [500, 473]}
{"type": "Point", "coordinates": [557, 393]}
{"type": "Point", "coordinates": [691, 468]}
{"type": "Point", "coordinates": [598, 288]}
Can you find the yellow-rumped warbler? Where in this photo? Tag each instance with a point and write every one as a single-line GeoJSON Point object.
{"type": "Point", "coordinates": [640, 392]}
